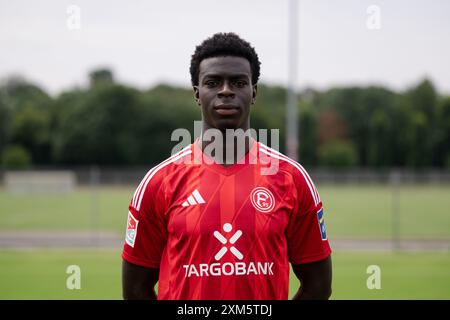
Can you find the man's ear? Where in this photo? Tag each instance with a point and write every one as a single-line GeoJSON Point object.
{"type": "Point", "coordinates": [254, 92]}
{"type": "Point", "coordinates": [197, 95]}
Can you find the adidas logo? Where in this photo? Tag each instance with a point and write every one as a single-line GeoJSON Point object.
{"type": "Point", "coordinates": [194, 198]}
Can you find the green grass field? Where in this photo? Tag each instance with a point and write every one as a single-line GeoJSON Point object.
{"type": "Point", "coordinates": [350, 211]}
{"type": "Point", "coordinates": [42, 275]}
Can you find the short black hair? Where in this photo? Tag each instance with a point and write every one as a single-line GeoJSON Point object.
{"type": "Point", "coordinates": [224, 44]}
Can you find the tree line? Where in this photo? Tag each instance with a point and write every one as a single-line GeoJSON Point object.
{"type": "Point", "coordinates": [112, 124]}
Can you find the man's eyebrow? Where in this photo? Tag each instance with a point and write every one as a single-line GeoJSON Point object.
{"type": "Point", "coordinates": [220, 75]}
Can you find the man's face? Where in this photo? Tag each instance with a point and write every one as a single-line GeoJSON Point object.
{"type": "Point", "coordinates": [225, 92]}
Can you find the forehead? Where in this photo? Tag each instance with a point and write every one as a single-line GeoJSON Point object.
{"type": "Point", "coordinates": [227, 66]}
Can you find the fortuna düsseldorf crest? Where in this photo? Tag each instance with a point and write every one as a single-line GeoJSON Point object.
{"type": "Point", "coordinates": [262, 199]}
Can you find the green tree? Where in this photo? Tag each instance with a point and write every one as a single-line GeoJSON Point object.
{"type": "Point", "coordinates": [269, 112]}
{"type": "Point", "coordinates": [443, 136]}
{"type": "Point", "coordinates": [101, 77]}
{"type": "Point", "coordinates": [164, 109]}
{"type": "Point", "coordinates": [100, 128]}
{"type": "Point", "coordinates": [308, 131]}
{"type": "Point", "coordinates": [28, 114]}
{"type": "Point", "coordinates": [419, 134]}
{"type": "Point", "coordinates": [5, 119]}
{"type": "Point", "coordinates": [16, 157]}
{"type": "Point", "coordinates": [356, 107]}
{"type": "Point", "coordinates": [338, 154]}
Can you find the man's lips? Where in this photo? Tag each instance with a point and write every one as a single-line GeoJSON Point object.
{"type": "Point", "coordinates": [226, 110]}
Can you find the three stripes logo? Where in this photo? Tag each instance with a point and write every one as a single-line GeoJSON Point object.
{"type": "Point", "coordinates": [193, 199]}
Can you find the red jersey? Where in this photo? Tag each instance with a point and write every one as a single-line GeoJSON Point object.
{"type": "Point", "coordinates": [230, 232]}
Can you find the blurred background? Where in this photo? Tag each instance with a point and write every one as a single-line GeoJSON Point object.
{"type": "Point", "coordinates": [91, 92]}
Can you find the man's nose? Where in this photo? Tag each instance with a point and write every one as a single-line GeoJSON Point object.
{"type": "Point", "coordinates": [226, 90]}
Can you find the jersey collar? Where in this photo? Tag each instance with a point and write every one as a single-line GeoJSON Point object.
{"type": "Point", "coordinates": [250, 158]}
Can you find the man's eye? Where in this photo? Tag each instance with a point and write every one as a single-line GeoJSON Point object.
{"type": "Point", "coordinates": [240, 83]}
{"type": "Point", "coordinates": [211, 83]}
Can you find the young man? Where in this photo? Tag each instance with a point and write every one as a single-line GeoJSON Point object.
{"type": "Point", "coordinates": [225, 229]}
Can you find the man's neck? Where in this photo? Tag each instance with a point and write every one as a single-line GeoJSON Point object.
{"type": "Point", "coordinates": [233, 147]}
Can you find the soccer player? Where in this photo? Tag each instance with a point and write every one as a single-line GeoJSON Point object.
{"type": "Point", "coordinates": [204, 228]}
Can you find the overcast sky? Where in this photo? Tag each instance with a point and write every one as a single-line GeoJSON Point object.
{"type": "Point", "coordinates": [147, 42]}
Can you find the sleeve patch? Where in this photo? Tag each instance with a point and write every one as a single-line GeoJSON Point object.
{"type": "Point", "coordinates": [132, 224]}
{"type": "Point", "coordinates": [321, 220]}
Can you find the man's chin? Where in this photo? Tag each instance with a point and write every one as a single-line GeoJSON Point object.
{"type": "Point", "coordinates": [224, 125]}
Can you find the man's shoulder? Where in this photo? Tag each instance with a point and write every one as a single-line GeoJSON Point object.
{"type": "Point", "coordinates": [158, 174]}
{"type": "Point", "coordinates": [176, 162]}
{"type": "Point", "coordinates": [283, 163]}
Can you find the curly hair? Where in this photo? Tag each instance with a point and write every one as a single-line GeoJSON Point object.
{"type": "Point", "coordinates": [224, 44]}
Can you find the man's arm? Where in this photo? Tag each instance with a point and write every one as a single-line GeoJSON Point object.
{"type": "Point", "coordinates": [315, 280]}
{"type": "Point", "coordinates": [138, 282]}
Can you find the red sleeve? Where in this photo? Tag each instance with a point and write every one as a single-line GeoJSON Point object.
{"type": "Point", "coordinates": [146, 233]}
{"type": "Point", "coordinates": [306, 234]}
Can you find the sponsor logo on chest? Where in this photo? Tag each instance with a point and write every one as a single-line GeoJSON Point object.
{"type": "Point", "coordinates": [238, 268]}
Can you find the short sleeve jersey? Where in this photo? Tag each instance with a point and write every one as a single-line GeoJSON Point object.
{"type": "Point", "coordinates": [219, 232]}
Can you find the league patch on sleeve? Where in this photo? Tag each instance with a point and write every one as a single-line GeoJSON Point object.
{"type": "Point", "coordinates": [321, 220]}
{"type": "Point", "coordinates": [132, 225]}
